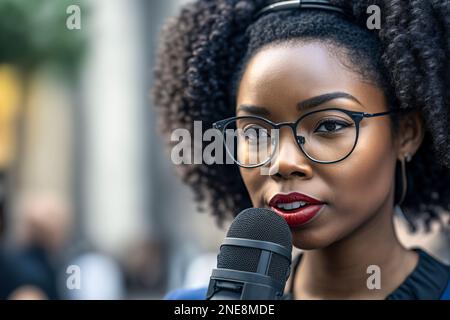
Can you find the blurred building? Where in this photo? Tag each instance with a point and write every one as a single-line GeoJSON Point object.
{"type": "Point", "coordinates": [84, 136]}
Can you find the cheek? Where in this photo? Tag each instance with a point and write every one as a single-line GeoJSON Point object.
{"type": "Point", "coordinates": [253, 181]}
{"type": "Point", "coordinates": [365, 178]}
{"type": "Point", "coordinates": [358, 187]}
{"type": "Point", "coordinates": [362, 183]}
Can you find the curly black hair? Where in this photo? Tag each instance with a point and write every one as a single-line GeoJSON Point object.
{"type": "Point", "coordinates": [204, 50]}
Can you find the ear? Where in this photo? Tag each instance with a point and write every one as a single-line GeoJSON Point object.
{"type": "Point", "coordinates": [410, 134]}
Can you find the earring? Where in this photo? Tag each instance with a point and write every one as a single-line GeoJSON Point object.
{"type": "Point", "coordinates": [408, 158]}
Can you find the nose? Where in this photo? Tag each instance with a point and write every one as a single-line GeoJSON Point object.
{"type": "Point", "coordinates": [289, 160]}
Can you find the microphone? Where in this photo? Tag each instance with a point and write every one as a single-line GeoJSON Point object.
{"type": "Point", "coordinates": [254, 259]}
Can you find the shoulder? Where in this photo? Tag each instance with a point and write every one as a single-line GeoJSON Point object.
{"type": "Point", "coordinates": [428, 281]}
{"type": "Point", "coordinates": [438, 274]}
{"type": "Point", "coordinates": [446, 294]}
{"type": "Point", "coordinates": [187, 294]}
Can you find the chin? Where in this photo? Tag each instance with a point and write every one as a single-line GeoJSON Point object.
{"type": "Point", "coordinates": [311, 240]}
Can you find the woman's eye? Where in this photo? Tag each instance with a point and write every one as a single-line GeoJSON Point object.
{"type": "Point", "coordinates": [330, 126]}
{"type": "Point", "coordinates": [256, 132]}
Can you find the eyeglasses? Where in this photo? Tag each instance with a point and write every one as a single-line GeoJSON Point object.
{"type": "Point", "coordinates": [324, 136]}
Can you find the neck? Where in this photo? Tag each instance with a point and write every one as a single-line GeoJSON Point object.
{"type": "Point", "coordinates": [341, 270]}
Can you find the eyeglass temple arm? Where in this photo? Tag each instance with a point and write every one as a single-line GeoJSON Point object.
{"type": "Point", "coordinates": [220, 124]}
{"type": "Point", "coordinates": [371, 115]}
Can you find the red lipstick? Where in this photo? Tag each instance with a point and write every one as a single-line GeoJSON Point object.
{"type": "Point", "coordinates": [296, 208]}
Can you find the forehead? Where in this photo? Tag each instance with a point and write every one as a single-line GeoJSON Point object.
{"type": "Point", "coordinates": [301, 66]}
{"type": "Point", "coordinates": [289, 73]}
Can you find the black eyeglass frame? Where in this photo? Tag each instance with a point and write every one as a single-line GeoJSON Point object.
{"type": "Point", "coordinates": [357, 117]}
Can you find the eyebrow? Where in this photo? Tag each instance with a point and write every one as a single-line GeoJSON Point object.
{"type": "Point", "coordinates": [303, 105]}
{"type": "Point", "coordinates": [318, 100]}
{"type": "Point", "coordinates": [256, 110]}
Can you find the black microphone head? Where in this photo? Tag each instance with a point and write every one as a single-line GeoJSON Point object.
{"type": "Point", "coordinates": [257, 224]}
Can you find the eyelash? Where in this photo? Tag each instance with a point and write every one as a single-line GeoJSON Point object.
{"type": "Point", "coordinates": [341, 123]}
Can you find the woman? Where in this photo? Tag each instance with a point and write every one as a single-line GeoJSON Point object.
{"type": "Point", "coordinates": [365, 128]}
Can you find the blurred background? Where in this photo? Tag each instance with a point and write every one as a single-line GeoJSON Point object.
{"type": "Point", "coordinates": [86, 185]}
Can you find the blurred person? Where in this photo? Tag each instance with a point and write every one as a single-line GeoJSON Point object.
{"type": "Point", "coordinates": [20, 276]}
{"type": "Point", "coordinates": [45, 221]}
{"type": "Point", "coordinates": [42, 227]}
{"type": "Point", "coordinates": [367, 115]}
{"type": "Point", "coordinates": [144, 266]}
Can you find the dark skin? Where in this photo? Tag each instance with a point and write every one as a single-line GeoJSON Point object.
{"type": "Point", "coordinates": [355, 229]}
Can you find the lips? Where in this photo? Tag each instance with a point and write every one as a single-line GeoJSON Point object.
{"type": "Point", "coordinates": [296, 208]}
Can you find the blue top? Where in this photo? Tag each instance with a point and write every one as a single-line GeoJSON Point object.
{"type": "Point", "coordinates": [430, 280]}
{"type": "Point", "coordinates": [187, 294]}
